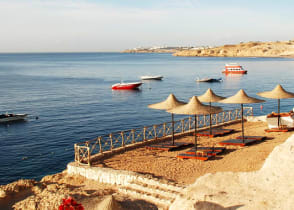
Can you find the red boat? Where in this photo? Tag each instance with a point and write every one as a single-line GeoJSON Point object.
{"type": "Point", "coordinates": [234, 68]}
{"type": "Point", "coordinates": [126, 86]}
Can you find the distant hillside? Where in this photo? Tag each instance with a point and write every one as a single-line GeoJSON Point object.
{"type": "Point", "coordinates": [250, 49]}
{"type": "Point", "coordinates": [156, 50]}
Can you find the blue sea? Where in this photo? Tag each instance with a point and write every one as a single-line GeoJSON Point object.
{"type": "Point", "coordinates": [71, 95]}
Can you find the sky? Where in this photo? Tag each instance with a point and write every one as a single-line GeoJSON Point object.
{"type": "Point", "coordinates": [116, 25]}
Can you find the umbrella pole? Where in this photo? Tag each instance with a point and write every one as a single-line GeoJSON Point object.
{"type": "Point", "coordinates": [242, 122]}
{"type": "Point", "coordinates": [210, 120]}
{"type": "Point", "coordinates": [173, 125]}
{"type": "Point", "coordinates": [195, 133]}
{"type": "Point", "coordinates": [278, 113]}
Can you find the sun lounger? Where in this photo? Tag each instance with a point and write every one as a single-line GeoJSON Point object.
{"type": "Point", "coordinates": [281, 129]}
{"type": "Point", "coordinates": [198, 156]}
{"type": "Point", "coordinates": [238, 142]}
{"type": "Point", "coordinates": [209, 150]}
{"type": "Point", "coordinates": [168, 146]}
{"type": "Point", "coordinates": [215, 132]}
{"type": "Point", "coordinates": [258, 138]}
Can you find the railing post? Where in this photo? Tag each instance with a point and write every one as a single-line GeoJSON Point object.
{"type": "Point", "coordinates": [75, 147]}
{"type": "Point", "coordinates": [223, 120]}
{"type": "Point", "coordinates": [155, 133]}
{"type": "Point", "coordinates": [122, 139]}
{"type": "Point", "coordinates": [216, 118]}
{"type": "Point", "coordinates": [183, 125]}
{"type": "Point", "coordinates": [89, 156]}
{"type": "Point", "coordinates": [88, 152]}
{"type": "Point", "coordinates": [133, 136]}
{"type": "Point", "coordinates": [230, 115]}
{"type": "Point", "coordinates": [111, 143]}
{"type": "Point", "coordinates": [144, 134]}
{"type": "Point", "coordinates": [190, 119]}
{"type": "Point", "coordinates": [100, 146]}
{"type": "Point", "coordinates": [164, 127]}
{"type": "Point", "coordinates": [204, 119]}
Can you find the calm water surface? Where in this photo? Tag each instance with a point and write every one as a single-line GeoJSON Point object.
{"type": "Point", "coordinates": [71, 95]}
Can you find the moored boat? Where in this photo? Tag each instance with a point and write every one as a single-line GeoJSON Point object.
{"type": "Point", "coordinates": [12, 117]}
{"type": "Point", "coordinates": [209, 80]}
{"type": "Point", "coordinates": [148, 77]}
{"type": "Point", "coordinates": [126, 86]}
{"type": "Point", "coordinates": [234, 68]}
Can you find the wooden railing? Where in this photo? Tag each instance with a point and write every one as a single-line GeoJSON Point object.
{"type": "Point", "coordinates": [106, 143]}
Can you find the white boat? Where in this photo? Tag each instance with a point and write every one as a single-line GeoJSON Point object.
{"type": "Point", "coordinates": [12, 117]}
{"type": "Point", "coordinates": [148, 77]}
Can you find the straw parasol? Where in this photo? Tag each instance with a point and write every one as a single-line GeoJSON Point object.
{"type": "Point", "coordinates": [170, 103]}
{"type": "Point", "coordinates": [278, 93]}
{"type": "Point", "coordinates": [109, 203]}
{"type": "Point", "coordinates": [195, 107]}
{"type": "Point", "coordinates": [209, 96]}
{"type": "Point", "coordinates": [241, 98]}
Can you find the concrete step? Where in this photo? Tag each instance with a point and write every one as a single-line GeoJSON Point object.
{"type": "Point", "coordinates": [172, 187]}
{"type": "Point", "coordinates": [154, 191]}
{"type": "Point", "coordinates": [164, 203]}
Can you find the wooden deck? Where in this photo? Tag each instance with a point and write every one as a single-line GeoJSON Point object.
{"type": "Point", "coordinates": [202, 157]}
{"type": "Point", "coordinates": [258, 138]}
{"type": "Point", "coordinates": [169, 146]}
{"type": "Point", "coordinates": [208, 150]}
{"type": "Point", "coordinates": [215, 132]}
{"type": "Point", "coordinates": [238, 142]}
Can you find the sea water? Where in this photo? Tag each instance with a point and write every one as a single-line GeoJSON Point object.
{"type": "Point", "coordinates": [71, 95]}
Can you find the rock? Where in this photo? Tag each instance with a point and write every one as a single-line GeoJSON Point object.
{"type": "Point", "coordinates": [250, 49]}
{"type": "Point", "coordinates": [269, 188]}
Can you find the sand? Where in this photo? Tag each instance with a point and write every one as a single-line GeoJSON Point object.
{"type": "Point", "coordinates": [163, 164]}
{"type": "Point", "coordinates": [51, 189]}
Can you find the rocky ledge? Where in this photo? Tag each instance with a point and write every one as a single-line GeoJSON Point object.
{"type": "Point", "coordinates": [249, 49]}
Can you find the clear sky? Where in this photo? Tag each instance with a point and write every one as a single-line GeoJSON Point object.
{"type": "Point", "coordinates": [115, 25]}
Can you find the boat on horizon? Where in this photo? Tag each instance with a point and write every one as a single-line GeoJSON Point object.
{"type": "Point", "coordinates": [234, 68]}
{"type": "Point", "coordinates": [208, 79]}
{"type": "Point", "coordinates": [149, 77]}
{"type": "Point", "coordinates": [9, 117]}
{"type": "Point", "coordinates": [126, 86]}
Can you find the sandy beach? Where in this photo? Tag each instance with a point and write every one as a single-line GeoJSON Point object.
{"type": "Point", "coordinates": [160, 164]}
{"type": "Point", "coordinates": [166, 165]}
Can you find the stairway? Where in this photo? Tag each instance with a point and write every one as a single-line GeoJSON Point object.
{"type": "Point", "coordinates": [160, 194]}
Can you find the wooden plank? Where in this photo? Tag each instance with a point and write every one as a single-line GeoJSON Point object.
{"type": "Point", "coordinates": [193, 156]}
{"type": "Point", "coordinates": [259, 138]}
{"type": "Point", "coordinates": [238, 142]}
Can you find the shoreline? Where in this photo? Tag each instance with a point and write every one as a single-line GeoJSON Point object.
{"type": "Point", "coordinates": [160, 165]}
{"type": "Point", "coordinates": [248, 49]}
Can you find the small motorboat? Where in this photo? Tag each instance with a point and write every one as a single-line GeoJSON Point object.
{"type": "Point", "coordinates": [126, 86]}
{"type": "Point", "coordinates": [148, 77]}
{"type": "Point", "coordinates": [209, 80]}
{"type": "Point", "coordinates": [4, 118]}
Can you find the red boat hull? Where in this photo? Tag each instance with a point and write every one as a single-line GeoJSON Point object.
{"type": "Point", "coordinates": [126, 86]}
{"type": "Point", "coordinates": [235, 72]}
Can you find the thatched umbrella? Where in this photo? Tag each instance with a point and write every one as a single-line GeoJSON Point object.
{"type": "Point", "coordinates": [109, 203]}
{"type": "Point", "coordinates": [278, 93]}
{"type": "Point", "coordinates": [241, 98]}
{"type": "Point", "coordinates": [170, 103]}
{"type": "Point", "coordinates": [209, 96]}
{"type": "Point", "coordinates": [195, 107]}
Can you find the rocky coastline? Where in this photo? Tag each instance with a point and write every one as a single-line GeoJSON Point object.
{"type": "Point", "coordinates": [248, 49]}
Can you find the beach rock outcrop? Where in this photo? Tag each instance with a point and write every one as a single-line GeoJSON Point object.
{"type": "Point", "coordinates": [249, 49]}
{"type": "Point", "coordinates": [271, 187]}
{"type": "Point", "coordinates": [50, 191]}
